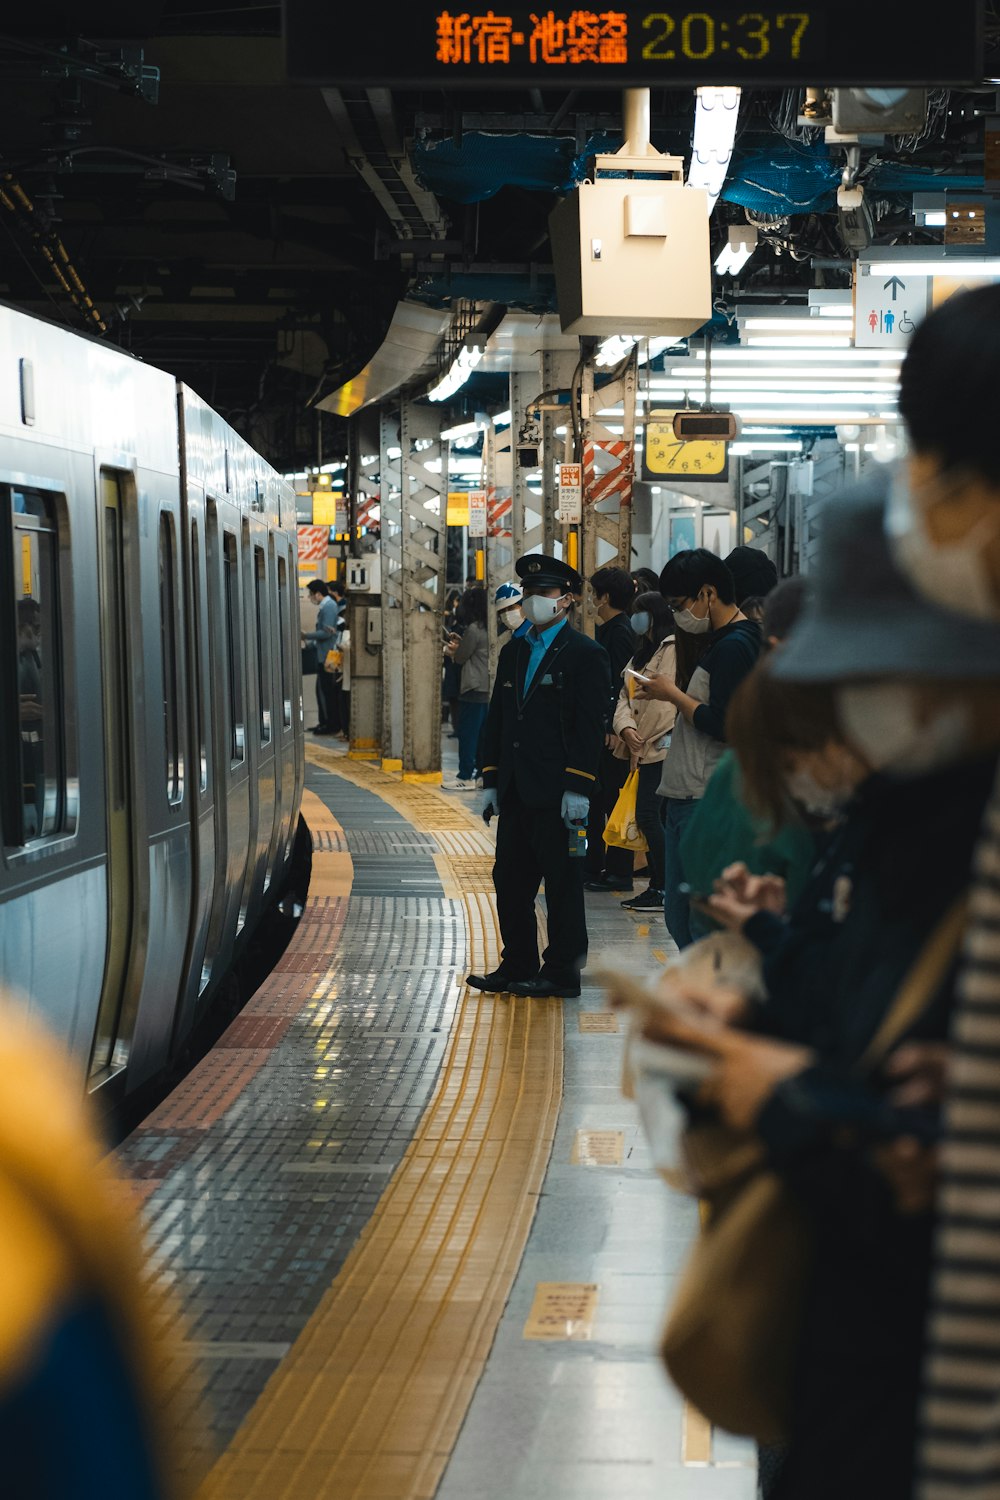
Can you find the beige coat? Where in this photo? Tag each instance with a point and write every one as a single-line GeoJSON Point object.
{"type": "Point", "coordinates": [650, 719]}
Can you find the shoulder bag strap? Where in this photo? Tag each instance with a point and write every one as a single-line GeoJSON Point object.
{"type": "Point", "coordinates": [920, 985]}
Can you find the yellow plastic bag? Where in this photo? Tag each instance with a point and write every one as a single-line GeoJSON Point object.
{"type": "Point", "coordinates": [334, 661]}
{"type": "Point", "coordinates": [622, 829]}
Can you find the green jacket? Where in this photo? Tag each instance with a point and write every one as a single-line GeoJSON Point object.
{"type": "Point", "coordinates": [721, 831]}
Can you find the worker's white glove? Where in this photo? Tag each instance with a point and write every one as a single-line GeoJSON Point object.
{"type": "Point", "coordinates": [489, 802]}
{"type": "Point", "coordinates": [575, 809]}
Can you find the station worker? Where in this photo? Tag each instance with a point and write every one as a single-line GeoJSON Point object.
{"type": "Point", "coordinates": [544, 735]}
{"type": "Point", "coordinates": [510, 615]}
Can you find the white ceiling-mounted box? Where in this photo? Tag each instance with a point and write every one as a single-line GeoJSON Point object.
{"type": "Point", "coordinates": [631, 252]}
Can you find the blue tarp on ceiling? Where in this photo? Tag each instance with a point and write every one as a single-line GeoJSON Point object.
{"type": "Point", "coordinates": [788, 178]}
{"type": "Point", "coordinates": [483, 163]}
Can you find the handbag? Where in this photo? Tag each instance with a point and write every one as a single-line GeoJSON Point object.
{"type": "Point", "coordinates": [621, 829]}
{"type": "Point", "coordinates": [732, 1334]}
{"type": "Point", "coordinates": [334, 660]}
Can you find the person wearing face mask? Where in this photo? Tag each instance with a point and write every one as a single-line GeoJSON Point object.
{"type": "Point", "coordinates": [699, 589]}
{"type": "Point", "coordinates": [510, 615]}
{"type": "Point", "coordinates": [643, 730]}
{"type": "Point", "coordinates": [724, 832]}
{"type": "Point", "coordinates": [545, 730]}
{"type": "Point", "coordinates": [897, 870]}
{"type": "Point", "coordinates": [943, 524]}
{"type": "Point", "coordinates": [607, 867]}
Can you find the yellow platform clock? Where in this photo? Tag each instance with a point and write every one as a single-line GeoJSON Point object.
{"type": "Point", "coordinates": [705, 460]}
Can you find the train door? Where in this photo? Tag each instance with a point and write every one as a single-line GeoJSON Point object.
{"type": "Point", "coordinates": [115, 655]}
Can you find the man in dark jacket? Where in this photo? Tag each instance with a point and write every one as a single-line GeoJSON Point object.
{"type": "Point", "coordinates": [542, 747]}
{"type": "Point", "coordinates": [610, 869]}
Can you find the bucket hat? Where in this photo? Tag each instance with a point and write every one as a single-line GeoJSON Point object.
{"type": "Point", "coordinates": [864, 619]}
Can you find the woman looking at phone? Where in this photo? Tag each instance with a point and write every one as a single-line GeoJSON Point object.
{"type": "Point", "coordinates": [643, 728]}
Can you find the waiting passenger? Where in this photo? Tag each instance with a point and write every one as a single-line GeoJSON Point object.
{"type": "Point", "coordinates": [82, 1390]}
{"type": "Point", "coordinates": [944, 527]}
{"type": "Point", "coordinates": [726, 835]}
{"type": "Point", "coordinates": [699, 589]}
{"type": "Point", "coordinates": [323, 639]}
{"type": "Point", "coordinates": [643, 728]}
{"type": "Point", "coordinates": [645, 580]}
{"type": "Point", "coordinates": [607, 867]}
{"type": "Point", "coordinates": [754, 575]}
{"type": "Point", "coordinates": [805, 1097]}
{"type": "Point", "coordinates": [470, 652]}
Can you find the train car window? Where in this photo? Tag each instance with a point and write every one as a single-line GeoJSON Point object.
{"type": "Point", "coordinates": [234, 655]}
{"type": "Point", "coordinates": [196, 647]}
{"type": "Point", "coordinates": [169, 633]}
{"type": "Point", "coordinates": [263, 644]}
{"type": "Point", "coordinates": [286, 698]}
{"type": "Point", "coordinates": [37, 796]}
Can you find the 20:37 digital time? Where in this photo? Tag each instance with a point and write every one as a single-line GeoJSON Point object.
{"type": "Point", "coordinates": [702, 34]}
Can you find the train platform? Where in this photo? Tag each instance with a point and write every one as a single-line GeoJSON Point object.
{"type": "Point", "coordinates": [409, 1235]}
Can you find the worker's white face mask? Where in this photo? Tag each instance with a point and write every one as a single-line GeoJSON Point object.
{"type": "Point", "coordinates": [880, 721]}
{"type": "Point", "coordinates": [955, 575]}
{"type": "Point", "coordinates": [541, 610]}
{"type": "Point", "coordinates": [511, 619]}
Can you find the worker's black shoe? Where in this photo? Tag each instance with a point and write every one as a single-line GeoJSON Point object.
{"type": "Point", "coordinates": [606, 883]}
{"type": "Point", "coordinates": [542, 987]}
{"type": "Point", "coordinates": [497, 983]}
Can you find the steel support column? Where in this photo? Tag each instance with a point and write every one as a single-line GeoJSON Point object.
{"type": "Point", "coordinates": [391, 549]}
{"type": "Point", "coordinates": [608, 461]}
{"type": "Point", "coordinates": [366, 657]}
{"type": "Point", "coordinates": [498, 481]}
{"type": "Point", "coordinates": [424, 517]}
{"type": "Point", "coordinates": [556, 370]}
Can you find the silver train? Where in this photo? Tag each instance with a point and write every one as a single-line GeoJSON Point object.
{"type": "Point", "coordinates": [151, 735]}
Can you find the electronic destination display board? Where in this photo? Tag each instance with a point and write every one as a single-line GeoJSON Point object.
{"type": "Point", "coordinates": [439, 45]}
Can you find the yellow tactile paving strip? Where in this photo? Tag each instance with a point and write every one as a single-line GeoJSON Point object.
{"type": "Point", "coordinates": [332, 869]}
{"type": "Point", "coordinates": [369, 1402]}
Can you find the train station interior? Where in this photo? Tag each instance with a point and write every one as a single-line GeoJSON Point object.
{"type": "Point", "coordinates": [383, 312]}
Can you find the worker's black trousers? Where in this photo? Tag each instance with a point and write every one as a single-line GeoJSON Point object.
{"type": "Point", "coordinates": [532, 847]}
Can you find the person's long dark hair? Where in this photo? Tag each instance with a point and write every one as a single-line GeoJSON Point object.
{"type": "Point", "coordinates": [471, 608]}
{"type": "Point", "coordinates": [690, 650]}
{"type": "Point", "coordinates": [662, 626]}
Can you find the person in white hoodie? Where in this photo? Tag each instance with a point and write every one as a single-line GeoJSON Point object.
{"type": "Point", "coordinates": [643, 728]}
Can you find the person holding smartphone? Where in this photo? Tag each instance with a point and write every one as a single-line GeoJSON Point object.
{"type": "Point", "coordinates": [643, 727]}
{"type": "Point", "coordinates": [700, 590]}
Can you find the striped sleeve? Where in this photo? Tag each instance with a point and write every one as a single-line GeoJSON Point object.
{"type": "Point", "coordinates": [959, 1452]}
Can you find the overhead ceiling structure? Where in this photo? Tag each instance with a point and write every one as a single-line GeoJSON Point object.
{"type": "Point", "coordinates": [174, 193]}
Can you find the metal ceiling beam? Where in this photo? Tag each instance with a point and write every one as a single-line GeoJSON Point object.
{"type": "Point", "coordinates": [373, 146]}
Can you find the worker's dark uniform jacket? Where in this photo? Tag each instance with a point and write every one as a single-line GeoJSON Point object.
{"type": "Point", "coordinates": [538, 743]}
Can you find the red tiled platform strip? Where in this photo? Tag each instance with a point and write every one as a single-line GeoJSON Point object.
{"type": "Point", "coordinates": [220, 1078]}
{"type": "Point", "coordinates": [255, 1031]}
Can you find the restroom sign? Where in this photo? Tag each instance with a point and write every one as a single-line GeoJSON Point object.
{"type": "Point", "coordinates": [570, 509]}
{"type": "Point", "coordinates": [887, 309]}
